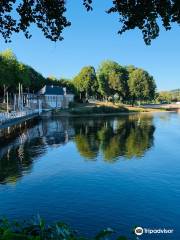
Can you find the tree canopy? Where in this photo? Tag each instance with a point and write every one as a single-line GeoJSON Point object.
{"type": "Point", "coordinates": [86, 81]}
{"type": "Point", "coordinates": [141, 85]}
{"type": "Point", "coordinates": [146, 15]}
{"type": "Point", "coordinates": [46, 15]}
{"type": "Point", "coordinates": [115, 82]}
{"type": "Point", "coordinates": [112, 79]}
{"type": "Point", "coordinates": [13, 72]}
{"type": "Point", "coordinates": [49, 16]}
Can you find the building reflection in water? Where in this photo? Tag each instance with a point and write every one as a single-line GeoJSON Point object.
{"type": "Point", "coordinates": [112, 138]}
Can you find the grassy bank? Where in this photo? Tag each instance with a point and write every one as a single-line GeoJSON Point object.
{"type": "Point", "coordinates": [102, 108]}
{"type": "Point", "coordinates": [98, 109]}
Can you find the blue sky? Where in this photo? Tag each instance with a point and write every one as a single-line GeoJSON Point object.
{"type": "Point", "coordinates": [93, 38]}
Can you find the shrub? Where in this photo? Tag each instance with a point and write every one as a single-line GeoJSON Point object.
{"type": "Point", "coordinates": [99, 110]}
{"type": "Point", "coordinates": [72, 104]}
{"type": "Point", "coordinates": [38, 230]}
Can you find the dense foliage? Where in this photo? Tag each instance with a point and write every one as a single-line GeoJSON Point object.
{"type": "Point", "coordinates": [13, 72]}
{"type": "Point", "coordinates": [111, 82]}
{"type": "Point", "coordinates": [115, 82]}
{"type": "Point", "coordinates": [141, 85]}
{"type": "Point", "coordinates": [38, 230]}
{"type": "Point", "coordinates": [49, 16]}
{"type": "Point", "coordinates": [86, 82]}
{"type": "Point", "coordinates": [112, 78]}
{"type": "Point", "coordinates": [99, 110]}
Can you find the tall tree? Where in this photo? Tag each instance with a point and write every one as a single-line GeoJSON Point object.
{"type": "Point", "coordinates": [141, 85]}
{"type": "Point", "coordinates": [112, 79]}
{"type": "Point", "coordinates": [9, 71]}
{"type": "Point", "coordinates": [37, 81]}
{"type": "Point", "coordinates": [12, 72]}
{"type": "Point", "coordinates": [86, 81]}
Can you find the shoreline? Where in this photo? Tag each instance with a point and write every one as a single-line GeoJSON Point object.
{"type": "Point", "coordinates": [68, 114]}
{"type": "Point", "coordinates": [20, 120]}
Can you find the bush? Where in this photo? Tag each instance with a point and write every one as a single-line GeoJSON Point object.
{"type": "Point", "coordinates": [99, 110]}
{"type": "Point", "coordinates": [72, 104]}
{"type": "Point", "coordinates": [38, 230]}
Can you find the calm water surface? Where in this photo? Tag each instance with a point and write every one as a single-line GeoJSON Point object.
{"type": "Point", "coordinates": [94, 173]}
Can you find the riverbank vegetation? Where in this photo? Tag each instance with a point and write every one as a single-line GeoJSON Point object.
{"type": "Point", "coordinates": [97, 108]}
{"type": "Point", "coordinates": [36, 229]}
{"type": "Point", "coordinates": [102, 108]}
{"type": "Point", "coordinates": [111, 82]}
{"type": "Point", "coordinates": [116, 83]}
{"type": "Point", "coordinates": [13, 72]}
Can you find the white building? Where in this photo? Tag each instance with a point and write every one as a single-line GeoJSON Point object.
{"type": "Point", "coordinates": [55, 97]}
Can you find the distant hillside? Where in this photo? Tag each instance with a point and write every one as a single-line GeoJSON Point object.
{"type": "Point", "coordinates": [175, 90]}
{"type": "Point", "coordinates": [169, 96]}
{"type": "Point", "coordinates": [175, 94]}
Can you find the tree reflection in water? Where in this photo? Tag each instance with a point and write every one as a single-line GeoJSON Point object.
{"type": "Point", "coordinates": [113, 138]}
{"type": "Point", "coordinates": [129, 136]}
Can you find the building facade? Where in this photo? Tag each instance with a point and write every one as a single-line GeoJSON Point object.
{"type": "Point", "coordinates": [54, 97]}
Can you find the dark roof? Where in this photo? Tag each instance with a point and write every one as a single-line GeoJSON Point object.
{"type": "Point", "coordinates": [52, 90]}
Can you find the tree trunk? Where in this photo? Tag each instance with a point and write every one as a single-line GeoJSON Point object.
{"type": "Point", "coordinates": [4, 97]}
{"type": "Point", "coordinates": [7, 102]}
{"type": "Point", "coordinates": [86, 96]}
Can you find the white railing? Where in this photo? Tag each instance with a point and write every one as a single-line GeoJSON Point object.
{"type": "Point", "coordinates": [6, 117]}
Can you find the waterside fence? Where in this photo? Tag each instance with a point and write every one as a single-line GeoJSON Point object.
{"type": "Point", "coordinates": [10, 117]}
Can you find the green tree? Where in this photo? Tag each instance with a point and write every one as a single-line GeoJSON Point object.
{"type": "Point", "coordinates": [37, 81]}
{"type": "Point", "coordinates": [13, 72]}
{"type": "Point", "coordinates": [86, 82]}
{"type": "Point", "coordinates": [164, 96]}
{"type": "Point", "coordinates": [141, 85]}
{"type": "Point", "coordinates": [130, 68]}
{"type": "Point", "coordinates": [9, 71]}
{"type": "Point", "coordinates": [68, 84]}
{"type": "Point", "coordinates": [112, 79]}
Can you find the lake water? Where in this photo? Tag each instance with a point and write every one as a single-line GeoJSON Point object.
{"type": "Point", "coordinates": [94, 173]}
